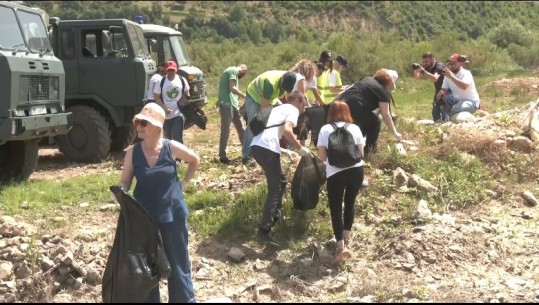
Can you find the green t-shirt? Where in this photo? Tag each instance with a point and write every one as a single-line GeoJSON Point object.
{"type": "Point", "coordinates": [226, 97]}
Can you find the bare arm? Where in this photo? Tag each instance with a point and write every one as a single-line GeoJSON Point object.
{"type": "Point", "coordinates": [302, 86]}
{"type": "Point", "coordinates": [317, 97]}
{"type": "Point", "coordinates": [290, 136]}
{"type": "Point", "coordinates": [128, 171]}
{"type": "Point", "coordinates": [182, 152]}
{"type": "Point", "coordinates": [322, 153]}
{"type": "Point", "coordinates": [264, 103]}
{"type": "Point", "coordinates": [384, 110]}
{"type": "Point", "coordinates": [449, 75]}
{"type": "Point", "coordinates": [233, 89]}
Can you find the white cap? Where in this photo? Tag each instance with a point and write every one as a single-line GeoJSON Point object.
{"type": "Point", "coordinates": [394, 76]}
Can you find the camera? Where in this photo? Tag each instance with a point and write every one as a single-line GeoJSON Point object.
{"type": "Point", "coordinates": [416, 66]}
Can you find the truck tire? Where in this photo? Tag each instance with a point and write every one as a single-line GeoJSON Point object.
{"type": "Point", "coordinates": [88, 140]}
{"type": "Point", "coordinates": [21, 159]}
{"type": "Point", "coordinates": [122, 136]}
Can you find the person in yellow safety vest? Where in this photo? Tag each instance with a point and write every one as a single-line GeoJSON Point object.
{"type": "Point", "coordinates": [321, 80]}
{"type": "Point", "coordinates": [262, 92]}
{"type": "Point", "coordinates": [334, 82]}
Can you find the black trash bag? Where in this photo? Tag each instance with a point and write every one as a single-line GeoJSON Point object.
{"type": "Point", "coordinates": [137, 259]}
{"type": "Point", "coordinates": [317, 117]}
{"type": "Point", "coordinates": [310, 175]}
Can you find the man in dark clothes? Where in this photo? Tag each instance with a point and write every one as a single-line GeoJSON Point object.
{"type": "Point", "coordinates": [432, 70]}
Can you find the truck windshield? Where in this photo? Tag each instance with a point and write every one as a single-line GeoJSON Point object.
{"type": "Point", "coordinates": [11, 38]}
{"type": "Point", "coordinates": [178, 47]}
{"type": "Point", "coordinates": [34, 31]}
{"type": "Point", "coordinates": [139, 43]}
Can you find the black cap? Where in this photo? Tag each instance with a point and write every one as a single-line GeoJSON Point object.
{"type": "Point", "coordinates": [342, 60]}
{"type": "Point", "coordinates": [325, 56]}
{"type": "Point", "coordinates": [288, 82]}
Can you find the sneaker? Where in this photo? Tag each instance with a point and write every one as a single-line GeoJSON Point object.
{"type": "Point", "coordinates": [248, 162]}
{"type": "Point", "coordinates": [365, 183]}
{"type": "Point", "coordinates": [224, 160]}
{"type": "Point", "coordinates": [265, 237]}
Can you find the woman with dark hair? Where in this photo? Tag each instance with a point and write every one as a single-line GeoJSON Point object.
{"type": "Point", "coordinates": [342, 183]}
{"type": "Point", "coordinates": [369, 102]}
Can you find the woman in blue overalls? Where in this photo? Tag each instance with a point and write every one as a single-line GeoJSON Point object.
{"type": "Point", "coordinates": [153, 162]}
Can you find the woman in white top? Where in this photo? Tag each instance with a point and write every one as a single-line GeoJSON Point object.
{"type": "Point", "coordinates": [342, 183]}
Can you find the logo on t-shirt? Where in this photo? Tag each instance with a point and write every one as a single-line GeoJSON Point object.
{"type": "Point", "coordinates": [173, 92]}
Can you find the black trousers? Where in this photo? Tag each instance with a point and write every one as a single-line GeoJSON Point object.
{"type": "Point", "coordinates": [343, 185]}
{"type": "Point", "coordinates": [271, 164]}
{"type": "Point", "coordinates": [370, 126]}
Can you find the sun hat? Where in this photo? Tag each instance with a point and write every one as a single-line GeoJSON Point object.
{"type": "Point", "coordinates": [394, 76]}
{"type": "Point", "coordinates": [152, 113]}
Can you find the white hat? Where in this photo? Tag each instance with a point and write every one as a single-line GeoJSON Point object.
{"type": "Point", "coordinates": [394, 76]}
{"type": "Point", "coordinates": [152, 113]}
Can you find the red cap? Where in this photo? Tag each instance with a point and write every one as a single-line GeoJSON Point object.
{"type": "Point", "coordinates": [171, 65]}
{"type": "Point", "coordinates": [455, 57]}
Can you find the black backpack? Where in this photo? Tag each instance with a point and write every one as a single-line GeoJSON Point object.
{"type": "Point", "coordinates": [342, 148]}
{"type": "Point", "coordinates": [259, 122]}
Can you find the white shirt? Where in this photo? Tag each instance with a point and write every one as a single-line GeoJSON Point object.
{"type": "Point", "coordinates": [323, 138]}
{"type": "Point", "coordinates": [298, 78]}
{"type": "Point", "coordinates": [470, 94]}
{"type": "Point", "coordinates": [332, 78]}
{"type": "Point", "coordinates": [154, 81]}
{"type": "Point", "coordinates": [171, 94]}
{"type": "Point", "coordinates": [269, 138]}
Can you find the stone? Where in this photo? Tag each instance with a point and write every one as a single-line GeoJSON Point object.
{"type": "Point", "coordinates": [109, 207]}
{"type": "Point", "coordinates": [7, 219]}
{"type": "Point", "coordinates": [422, 211]}
{"type": "Point", "coordinates": [480, 284]}
{"type": "Point", "coordinates": [367, 299]}
{"type": "Point", "coordinates": [407, 293]}
{"type": "Point", "coordinates": [425, 122]}
{"type": "Point", "coordinates": [46, 263]}
{"type": "Point", "coordinates": [515, 283]}
{"type": "Point", "coordinates": [408, 266]}
{"type": "Point", "coordinates": [419, 229]}
{"type": "Point", "coordinates": [306, 262]}
{"type": "Point", "coordinates": [23, 271]}
{"type": "Point", "coordinates": [455, 249]}
{"type": "Point", "coordinates": [236, 254]}
{"type": "Point", "coordinates": [63, 269]}
{"type": "Point", "coordinates": [400, 149]}
{"type": "Point", "coordinates": [78, 283]}
{"type": "Point", "coordinates": [93, 277]}
{"type": "Point", "coordinates": [84, 204]}
{"type": "Point", "coordinates": [5, 270]}
{"type": "Point", "coordinates": [400, 178]}
{"type": "Point", "coordinates": [462, 117]}
{"type": "Point", "coordinates": [416, 181]}
{"type": "Point", "coordinates": [491, 193]}
{"type": "Point", "coordinates": [530, 198]}
{"type": "Point", "coordinates": [78, 269]}
{"type": "Point", "coordinates": [70, 281]}
{"type": "Point", "coordinates": [219, 300]}
{"type": "Point", "coordinates": [67, 259]}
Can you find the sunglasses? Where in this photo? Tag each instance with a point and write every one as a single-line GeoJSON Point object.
{"type": "Point", "coordinates": [142, 123]}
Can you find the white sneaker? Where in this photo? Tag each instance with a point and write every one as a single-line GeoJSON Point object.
{"type": "Point", "coordinates": [365, 183]}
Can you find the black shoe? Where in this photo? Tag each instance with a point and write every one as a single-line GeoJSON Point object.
{"type": "Point", "coordinates": [248, 162]}
{"type": "Point", "coordinates": [224, 160]}
{"type": "Point", "coordinates": [265, 237]}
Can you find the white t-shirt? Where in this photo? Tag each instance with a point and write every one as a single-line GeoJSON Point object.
{"type": "Point", "coordinates": [154, 81]}
{"type": "Point", "coordinates": [332, 78]}
{"type": "Point", "coordinates": [469, 94]}
{"type": "Point", "coordinates": [269, 138]}
{"type": "Point", "coordinates": [323, 138]}
{"type": "Point", "coordinates": [312, 84]}
{"type": "Point", "coordinates": [171, 94]}
{"type": "Point", "coordinates": [298, 78]}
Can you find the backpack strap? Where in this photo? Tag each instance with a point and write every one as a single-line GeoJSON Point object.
{"type": "Point", "coordinates": [334, 126]}
{"type": "Point", "coordinates": [346, 125]}
{"type": "Point", "coordinates": [162, 84]}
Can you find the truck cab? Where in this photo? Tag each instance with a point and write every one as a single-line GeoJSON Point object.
{"type": "Point", "coordinates": [165, 43]}
{"type": "Point", "coordinates": [32, 90]}
{"type": "Point", "coordinates": [107, 67]}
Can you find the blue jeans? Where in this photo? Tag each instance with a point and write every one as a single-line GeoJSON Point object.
{"type": "Point", "coordinates": [175, 243]}
{"type": "Point", "coordinates": [173, 128]}
{"type": "Point", "coordinates": [252, 108]}
{"type": "Point", "coordinates": [437, 112]}
{"type": "Point", "coordinates": [453, 106]}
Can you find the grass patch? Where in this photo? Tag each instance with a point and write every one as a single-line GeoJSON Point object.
{"type": "Point", "coordinates": [43, 199]}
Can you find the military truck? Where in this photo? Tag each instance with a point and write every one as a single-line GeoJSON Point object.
{"type": "Point", "coordinates": [107, 68]}
{"type": "Point", "coordinates": [31, 90]}
{"type": "Point", "coordinates": [164, 44]}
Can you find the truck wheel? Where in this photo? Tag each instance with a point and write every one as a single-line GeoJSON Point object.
{"type": "Point", "coordinates": [122, 136]}
{"type": "Point", "coordinates": [89, 139]}
{"type": "Point", "coordinates": [21, 157]}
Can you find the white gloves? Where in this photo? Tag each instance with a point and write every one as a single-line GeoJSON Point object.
{"type": "Point", "coordinates": [304, 151]}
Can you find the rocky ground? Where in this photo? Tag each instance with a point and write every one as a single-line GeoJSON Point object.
{"type": "Point", "coordinates": [488, 253]}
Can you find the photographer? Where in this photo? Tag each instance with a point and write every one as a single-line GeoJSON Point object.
{"type": "Point", "coordinates": [460, 82]}
{"type": "Point", "coordinates": [432, 70]}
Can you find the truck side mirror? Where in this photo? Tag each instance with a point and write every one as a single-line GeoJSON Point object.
{"type": "Point", "coordinates": [54, 21]}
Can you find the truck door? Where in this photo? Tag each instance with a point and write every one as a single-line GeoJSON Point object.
{"type": "Point", "coordinates": [68, 55]}
{"type": "Point", "coordinates": [106, 67]}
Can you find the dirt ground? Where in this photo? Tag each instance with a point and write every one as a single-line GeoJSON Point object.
{"type": "Point", "coordinates": [489, 254]}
